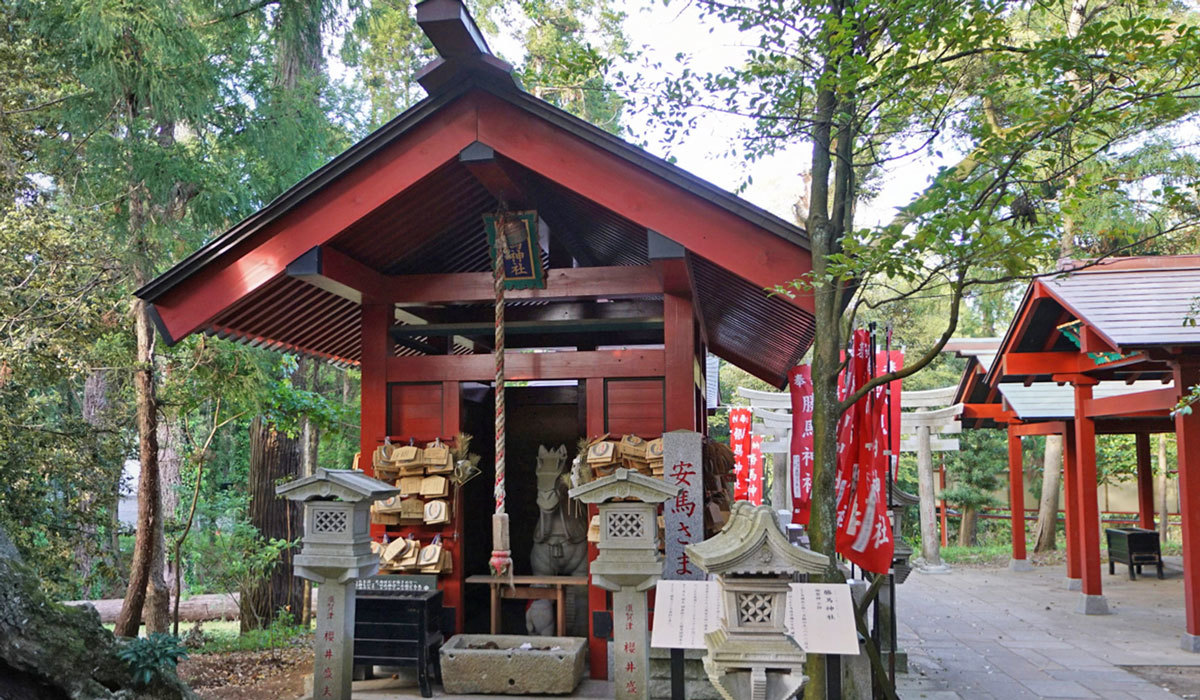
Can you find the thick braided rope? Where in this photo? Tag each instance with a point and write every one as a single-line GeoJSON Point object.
{"type": "Point", "coordinates": [498, 280]}
{"type": "Point", "coordinates": [501, 560]}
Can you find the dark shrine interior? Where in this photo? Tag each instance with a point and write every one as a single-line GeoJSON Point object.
{"type": "Point", "coordinates": [537, 415]}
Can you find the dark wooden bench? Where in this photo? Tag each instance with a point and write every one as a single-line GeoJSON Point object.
{"type": "Point", "coordinates": [399, 628]}
{"type": "Point", "coordinates": [1135, 547]}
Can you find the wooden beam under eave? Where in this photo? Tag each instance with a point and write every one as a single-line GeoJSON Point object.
{"type": "Point", "coordinates": [988, 411]}
{"type": "Point", "coordinates": [669, 260]}
{"type": "Point", "coordinates": [337, 273]}
{"type": "Point", "coordinates": [1055, 427]}
{"type": "Point", "coordinates": [1154, 401]}
{"type": "Point", "coordinates": [1042, 363]}
{"type": "Point", "coordinates": [617, 282]}
{"type": "Point", "coordinates": [583, 325]}
{"type": "Point", "coordinates": [529, 366]}
{"type": "Point", "coordinates": [480, 160]}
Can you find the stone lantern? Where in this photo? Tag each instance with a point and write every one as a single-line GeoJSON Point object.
{"type": "Point", "coordinates": [336, 550]}
{"type": "Point", "coordinates": [628, 563]}
{"type": "Point", "coordinates": [902, 556]}
{"type": "Point", "coordinates": [751, 656]}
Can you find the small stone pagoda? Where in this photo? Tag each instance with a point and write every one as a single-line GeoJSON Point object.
{"type": "Point", "coordinates": [751, 656]}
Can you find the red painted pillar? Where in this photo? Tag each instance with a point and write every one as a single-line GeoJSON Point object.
{"type": "Point", "coordinates": [597, 596]}
{"type": "Point", "coordinates": [375, 319]}
{"type": "Point", "coordinates": [1187, 437]}
{"type": "Point", "coordinates": [373, 416]}
{"type": "Point", "coordinates": [1145, 482]}
{"type": "Point", "coordinates": [1016, 502]}
{"type": "Point", "coordinates": [452, 584]}
{"type": "Point", "coordinates": [1070, 508]}
{"type": "Point", "coordinates": [1088, 514]}
{"type": "Point", "coordinates": [679, 330]}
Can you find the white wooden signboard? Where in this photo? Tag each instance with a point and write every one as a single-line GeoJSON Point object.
{"type": "Point", "coordinates": [821, 616]}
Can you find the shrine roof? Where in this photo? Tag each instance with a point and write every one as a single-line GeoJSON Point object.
{"type": "Point", "coordinates": [1125, 314]}
{"type": "Point", "coordinates": [1053, 401]}
{"type": "Point", "coordinates": [344, 484]}
{"type": "Point", "coordinates": [403, 201]}
{"type": "Point", "coordinates": [1135, 306]}
{"type": "Point", "coordinates": [1119, 322]}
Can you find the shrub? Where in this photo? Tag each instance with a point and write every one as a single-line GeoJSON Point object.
{"type": "Point", "coordinates": [146, 656]}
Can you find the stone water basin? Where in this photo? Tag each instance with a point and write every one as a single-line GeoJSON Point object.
{"type": "Point", "coordinates": [554, 666]}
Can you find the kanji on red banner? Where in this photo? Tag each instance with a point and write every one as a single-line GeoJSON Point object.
{"type": "Point", "coordinates": [754, 486]}
{"type": "Point", "coordinates": [801, 453]}
{"type": "Point", "coordinates": [864, 531]}
{"type": "Point", "coordinates": [739, 442]}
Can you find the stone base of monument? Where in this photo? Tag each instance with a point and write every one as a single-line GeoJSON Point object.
{"type": "Point", "coordinates": [495, 664]}
{"type": "Point", "coordinates": [696, 685]}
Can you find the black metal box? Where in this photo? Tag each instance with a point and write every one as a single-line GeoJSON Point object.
{"type": "Point", "coordinates": [1134, 547]}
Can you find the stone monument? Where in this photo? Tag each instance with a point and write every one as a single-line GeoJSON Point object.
{"type": "Point", "coordinates": [336, 551]}
{"type": "Point", "coordinates": [751, 656]}
{"type": "Point", "coordinates": [628, 564]}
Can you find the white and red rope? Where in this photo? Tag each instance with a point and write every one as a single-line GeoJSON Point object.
{"type": "Point", "coordinates": [501, 561]}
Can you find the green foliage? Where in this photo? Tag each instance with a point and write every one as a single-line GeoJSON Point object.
{"type": "Point", "coordinates": [569, 50]}
{"type": "Point", "coordinates": [235, 557]}
{"type": "Point", "coordinates": [977, 471]}
{"type": "Point", "coordinates": [730, 378]}
{"type": "Point", "coordinates": [983, 554]}
{"type": "Point", "coordinates": [562, 64]}
{"type": "Point", "coordinates": [1051, 123]}
{"type": "Point", "coordinates": [281, 633]}
{"type": "Point", "coordinates": [146, 656]}
{"type": "Point", "coordinates": [130, 134]}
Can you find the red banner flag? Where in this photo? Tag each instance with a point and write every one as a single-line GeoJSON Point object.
{"type": "Point", "coordinates": [801, 451]}
{"type": "Point", "coordinates": [739, 442]}
{"type": "Point", "coordinates": [886, 362]}
{"type": "Point", "coordinates": [864, 530]}
{"type": "Point", "coordinates": [754, 488]}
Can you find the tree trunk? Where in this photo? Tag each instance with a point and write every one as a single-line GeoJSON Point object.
{"type": "Point", "coordinates": [95, 403]}
{"type": "Point", "coordinates": [931, 543]}
{"type": "Point", "coordinates": [273, 457]}
{"type": "Point", "coordinates": [967, 526]}
{"type": "Point", "coordinates": [310, 440]}
{"type": "Point", "coordinates": [1046, 530]}
{"type": "Point", "coordinates": [158, 596]}
{"type": "Point", "coordinates": [298, 47]}
{"type": "Point", "coordinates": [825, 362]}
{"type": "Point", "coordinates": [1164, 518]}
{"type": "Point", "coordinates": [149, 515]}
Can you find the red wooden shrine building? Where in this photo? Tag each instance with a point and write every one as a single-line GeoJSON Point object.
{"type": "Point", "coordinates": [1105, 349]}
{"type": "Point", "coordinates": [380, 260]}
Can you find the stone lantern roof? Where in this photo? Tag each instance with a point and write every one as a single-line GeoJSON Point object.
{"type": "Point", "coordinates": [624, 483]}
{"type": "Point", "coordinates": [903, 498]}
{"type": "Point", "coordinates": [347, 485]}
{"type": "Point", "coordinates": [752, 543]}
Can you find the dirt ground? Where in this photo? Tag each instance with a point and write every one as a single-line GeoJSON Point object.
{"type": "Point", "coordinates": [1184, 681]}
{"type": "Point", "coordinates": [249, 675]}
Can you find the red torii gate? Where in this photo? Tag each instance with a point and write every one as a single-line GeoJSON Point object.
{"type": "Point", "coordinates": [1106, 331]}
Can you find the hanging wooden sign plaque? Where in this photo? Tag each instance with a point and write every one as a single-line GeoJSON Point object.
{"type": "Point", "coordinates": [523, 254]}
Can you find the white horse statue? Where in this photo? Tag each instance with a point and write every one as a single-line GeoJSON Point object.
{"type": "Point", "coordinates": [559, 543]}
